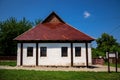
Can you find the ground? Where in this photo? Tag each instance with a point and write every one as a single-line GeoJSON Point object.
{"type": "Point", "coordinates": [95, 68]}
{"type": "Point", "coordinates": [9, 71]}
{"type": "Point", "coordinates": [7, 74]}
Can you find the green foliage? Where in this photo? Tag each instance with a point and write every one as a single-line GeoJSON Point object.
{"type": "Point", "coordinates": [112, 64]}
{"type": "Point", "coordinates": [8, 63]}
{"type": "Point", "coordinates": [96, 53]}
{"type": "Point", "coordinates": [104, 44]}
{"type": "Point", "coordinates": [56, 75]}
{"type": "Point", "coordinates": [9, 29]}
{"type": "Point", "coordinates": [37, 21]}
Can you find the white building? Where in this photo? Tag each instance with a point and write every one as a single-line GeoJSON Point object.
{"type": "Point", "coordinates": [54, 43]}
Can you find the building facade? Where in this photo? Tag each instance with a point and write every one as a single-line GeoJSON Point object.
{"type": "Point", "coordinates": [54, 43]}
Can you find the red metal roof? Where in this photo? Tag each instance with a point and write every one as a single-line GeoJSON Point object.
{"type": "Point", "coordinates": [53, 28]}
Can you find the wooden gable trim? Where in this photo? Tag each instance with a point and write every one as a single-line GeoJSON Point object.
{"type": "Point", "coordinates": [51, 41]}
{"type": "Point", "coordinates": [51, 15]}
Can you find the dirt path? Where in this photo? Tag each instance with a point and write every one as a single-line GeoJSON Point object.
{"type": "Point", "coordinates": [95, 68]}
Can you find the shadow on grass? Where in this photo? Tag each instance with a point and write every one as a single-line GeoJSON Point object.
{"type": "Point", "coordinates": [90, 67]}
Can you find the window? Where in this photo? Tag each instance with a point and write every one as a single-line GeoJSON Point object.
{"type": "Point", "coordinates": [29, 51]}
{"type": "Point", "coordinates": [43, 51]}
{"type": "Point", "coordinates": [64, 51]}
{"type": "Point", "coordinates": [77, 51]}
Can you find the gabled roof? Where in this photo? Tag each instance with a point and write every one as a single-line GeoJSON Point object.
{"type": "Point", "coordinates": [53, 28]}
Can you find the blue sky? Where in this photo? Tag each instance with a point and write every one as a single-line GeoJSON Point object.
{"type": "Point", "coordinates": [92, 17]}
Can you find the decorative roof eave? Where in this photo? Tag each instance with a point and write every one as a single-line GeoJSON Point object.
{"type": "Point", "coordinates": [54, 41]}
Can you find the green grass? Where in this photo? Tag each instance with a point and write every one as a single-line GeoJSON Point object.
{"type": "Point", "coordinates": [8, 63]}
{"type": "Point", "coordinates": [56, 75]}
{"type": "Point", "coordinates": [111, 64]}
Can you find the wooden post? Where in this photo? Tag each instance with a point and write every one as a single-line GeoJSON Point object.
{"type": "Point", "coordinates": [116, 60]}
{"type": "Point", "coordinates": [71, 54]}
{"type": "Point", "coordinates": [108, 63]}
{"type": "Point", "coordinates": [36, 54]}
{"type": "Point", "coordinates": [21, 55]}
{"type": "Point", "coordinates": [86, 44]}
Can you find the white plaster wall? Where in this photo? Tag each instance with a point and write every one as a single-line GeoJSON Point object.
{"type": "Point", "coordinates": [89, 54]}
{"type": "Point", "coordinates": [54, 57]}
{"type": "Point", "coordinates": [18, 54]}
{"type": "Point", "coordinates": [31, 61]}
{"type": "Point", "coordinates": [81, 61]}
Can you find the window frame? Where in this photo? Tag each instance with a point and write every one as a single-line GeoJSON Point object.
{"type": "Point", "coordinates": [43, 51]}
{"type": "Point", "coordinates": [64, 51]}
{"type": "Point", "coordinates": [77, 51]}
{"type": "Point", "coordinates": [29, 51]}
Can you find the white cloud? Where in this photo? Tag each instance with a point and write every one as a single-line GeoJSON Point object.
{"type": "Point", "coordinates": [86, 14]}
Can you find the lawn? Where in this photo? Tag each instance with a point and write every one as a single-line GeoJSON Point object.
{"type": "Point", "coordinates": [113, 65]}
{"type": "Point", "coordinates": [8, 63]}
{"type": "Point", "coordinates": [56, 75]}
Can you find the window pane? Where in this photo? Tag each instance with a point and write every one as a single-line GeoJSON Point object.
{"type": "Point", "coordinates": [64, 51]}
{"type": "Point", "coordinates": [77, 51]}
{"type": "Point", "coordinates": [29, 51]}
{"type": "Point", "coordinates": [43, 51]}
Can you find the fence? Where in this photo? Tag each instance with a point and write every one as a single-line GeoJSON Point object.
{"type": "Point", "coordinates": [8, 57]}
{"type": "Point", "coordinates": [112, 60]}
{"type": "Point", "coordinates": [99, 61]}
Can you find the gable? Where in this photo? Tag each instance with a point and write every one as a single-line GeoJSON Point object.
{"type": "Point", "coordinates": [53, 18]}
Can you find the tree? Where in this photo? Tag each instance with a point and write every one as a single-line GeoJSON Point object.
{"type": "Point", "coordinates": [106, 43]}
{"type": "Point", "coordinates": [9, 29]}
{"type": "Point", "coordinates": [37, 21]}
{"type": "Point", "coordinates": [96, 53]}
